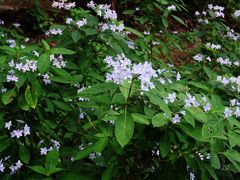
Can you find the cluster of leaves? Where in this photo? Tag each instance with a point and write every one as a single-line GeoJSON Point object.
{"type": "Point", "coordinates": [92, 128]}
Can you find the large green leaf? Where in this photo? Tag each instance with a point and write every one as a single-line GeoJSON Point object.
{"type": "Point", "coordinates": [52, 160]}
{"type": "Point", "coordinates": [8, 96]}
{"type": "Point", "coordinates": [159, 120]}
{"type": "Point", "coordinates": [124, 128]}
{"type": "Point", "coordinates": [43, 63]}
{"type": "Point", "coordinates": [61, 51]}
{"type": "Point", "coordinates": [24, 154]}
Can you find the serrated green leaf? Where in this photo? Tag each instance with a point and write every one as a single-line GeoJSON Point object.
{"type": "Point", "coordinates": [43, 63]}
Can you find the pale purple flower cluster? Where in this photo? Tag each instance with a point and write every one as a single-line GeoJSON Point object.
{"type": "Point", "coordinates": [233, 82]}
{"type": "Point", "coordinates": [15, 167]}
{"type": "Point", "coordinates": [54, 31]}
{"type": "Point", "coordinates": [46, 79]}
{"type": "Point", "coordinates": [30, 65]}
{"type": "Point", "coordinates": [1, 22]}
{"type": "Point", "coordinates": [112, 26]}
{"type": "Point", "coordinates": [232, 34]}
{"type": "Point", "coordinates": [123, 69]}
{"type": "Point", "coordinates": [57, 61]}
{"type": "Point", "coordinates": [11, 77]}
{"type": "Point", "coordinates": [63, 5]}
{"type": "Point", "coordinates": [18, 132]}
{"type": "Point", "coordinates": [213, 46]}
{"type": "Point", "coordinates": [237, 13]}
{"type": "Point", "coordinates": [54, 145]}
{"type": "Point", "coordinates": [176, 119]}
{"type": "Point", "coordinates": [103, 10]}
{"type": "Point", "coordinates": [12, 42]}
{"type": "Point", "coordinates": [217, 10]}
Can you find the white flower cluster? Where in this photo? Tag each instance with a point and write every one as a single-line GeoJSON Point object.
{"type": "Point", "coordinates": [217, 10]}
{"type": "Point", "coordinates": [1, 22]}
{"type": "Point", "coordinates": [12, 42]}
{"type": "Point", "coordinates": [237, 13]}
{"type": "Point", "coordinates": [235, 102]}
{"type": "Point", "coordinates": [232, 35]}
{"type": "Point", "coordinates": [81, 98]}
{"type": "Point", "coordinates": [112, 26]}
{"type": "Point", "coordinates": [213, 46]}
{"type": "Point", "coordinates": [30, 65]}
{"type": "Point", "coordinates": [172, 8]}
{"type": "Point", "coordinates": [45, 150]}
{"type": "Point", "coordinates": [103, 10]}
{"type": "Point", "coordinates": [46, 79]}
{"type": "Point", "coordinates": [78, 23]}
{"type": "Point", "coordinates": [19, 132]}
{"type": "Point", "coordinates": [57, 61]}
{"type": "Point", "coordinates": [199, 57]}
{"type": "Point", "coordinates": [227, 62]}
{"type": "Point", "coordinates": [123, 69]}
{"type": "Point", "coordinates": [16, 167]}
{"type": "Point", "coordinates": [202, 156]}
{"type": "Point", "coordinates": [234, 82]}
{"type": "Point", "coordinates": [54, 31]}
{"type": "Point", "coordinates": [11, 77]}
{"type": "Point", "coordinates": [63, 5]}
{"type": "Point", "coordinates": [228, 112]}
{"type": "Point", "coordinates": [171, 98]}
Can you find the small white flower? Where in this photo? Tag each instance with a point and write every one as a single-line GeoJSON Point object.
{"type": "Point", "coordinates": [8, 125]}
{"type": "Point", "coordinates": [178, 77]}
{"type": "Point", "coordinates": [207, 107]}
{"type": "Point", "coordinates": [176, 119]}
{"type": "Point", "coordinates": [16, 133]}
{"type": "Point", "coordinates": [171, 97]}
{"type": "Point", "coordinates": [1, 166]}
{"type": "Point", "coordinates": [26, 130]}
{"type": "Point", "coordinates": [43, 151]}
{"type": "Point", "coordinates": [228, 112]}
{"type": "Point", "coordinates": [172, 8]}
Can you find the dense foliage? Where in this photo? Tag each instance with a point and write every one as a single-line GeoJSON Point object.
{"type": "Point", "coordinates": [96, 99]}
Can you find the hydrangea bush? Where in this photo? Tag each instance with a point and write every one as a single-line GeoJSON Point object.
{"type": "Point", "coordinates": [96, 99]}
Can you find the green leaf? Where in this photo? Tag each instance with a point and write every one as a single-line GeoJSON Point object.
{"type": "Point", "coordinates": [85, 152]}
{"type": "Point", "coordinates": [43, 63]}
{"type": "Point", "coordinates": [234, 157]}
{"type": "Point", "coordinates": [75, 36]}
{"type": "Point", "coordinates": [31, 97]}
{"type": "Point", "coordinates": [108, 173]}
{"type": "Point", "coordinates": [39, 169]}
{"type": "Point", "coordinates": [46, 45]}
{"type": "Point", "coordinates": [4, 143]}
{"type": "Point", "coordinates": [164, 145]}
{"type": "Point", "coordinates": [159, 120]}
{"type": "Point", "coordinates": [157, 100]}
{"type": "Point", "coordinates": [215, 162]}
{"type": "Point", "coordinates": [61, 51]}
{"type": "Point", "coordinates": [98, 88]}
{"type": "Point", "coordinates": [165, 22]}
{"type": "Point", "coordinates": [139, 118]}
{"type": "Point", "coordinates": [61, 105]}
{"type": "Point", "coordinates": [234, 139]}
{"type": "Point", "coordinates": [100, 144]}
{"type": "Point", "coordinates": [52, 160]}
{"type": "Point", "coordinates": [126, 87]}
{"type": "Point", "coordinates": [8, 96]}
{"type": "Point", "coordinates": [179, 20]}
{"type": "Point", "coordinates": [24, 154]}
{"type": "Point", "coordinates": [134, 31]}
{"type": "Point", "coordinates": [129, 11]}
{"type": "Point", "coordinates": [199, 114]}
{"type": "Point", "coordinates": [124, 128]}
